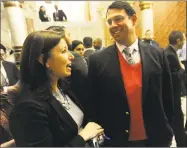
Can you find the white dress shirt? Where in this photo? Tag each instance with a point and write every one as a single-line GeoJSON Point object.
{"type": "Point", "coordinates": [3, 72]}
{"type": "Point", "coordinates": [134, 50]}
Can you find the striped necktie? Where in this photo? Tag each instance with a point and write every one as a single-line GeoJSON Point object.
{"type": "Point", "coordinates": [128, 56]}
{"type": "Point", "coordinates": [3, 80]}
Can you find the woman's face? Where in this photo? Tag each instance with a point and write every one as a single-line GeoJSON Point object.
{"type": "Point", "coordinates": [80, 49]}
{"type": "Point", "coordinates": [59, 61]}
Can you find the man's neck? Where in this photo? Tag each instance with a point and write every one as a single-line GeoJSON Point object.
{"type": "Point", "coordinates": [174, 47]}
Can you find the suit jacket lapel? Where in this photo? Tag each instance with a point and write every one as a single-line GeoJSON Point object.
{"type": "Point", "coordinates": [62, 113]}
{"type": "Point", "coordinates": [114, 69]}
{"type": "Point", "coordinates": [145, 60]}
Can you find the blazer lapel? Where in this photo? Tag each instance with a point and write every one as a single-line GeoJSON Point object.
{"type": "Point", "coordinates": [145, 60]}
{"type": "Point", "coordinates": [62, 113]}
{"type": "Point", "coordinates": [114, 69]}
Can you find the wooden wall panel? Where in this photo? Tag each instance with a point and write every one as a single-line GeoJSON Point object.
{"type": "Point", "coordinates": [168, 16]}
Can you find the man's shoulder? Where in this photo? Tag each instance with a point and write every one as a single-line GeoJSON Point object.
{"type": "Point", "coordinates": [104, 51]}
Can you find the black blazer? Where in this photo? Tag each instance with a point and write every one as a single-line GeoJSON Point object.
{"type": "Point", "coordinates": [12, 72]}
{"type": "Point", "coordinates": [61, 16]}
{"type": "Point", "coordinates": [87, 54]}
{"type": "Point", "coordinates": [40, 120]}
{"type": "Point", "coordinates": [111, 109]}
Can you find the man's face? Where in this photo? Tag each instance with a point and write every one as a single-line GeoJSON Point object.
{"type": "Point", "coordinates": [2, 54]}
{"type": "Point", "coordinates": [180, 43]}
{"type": "Point", "coordinates": [56, 7]}
{"type": "Point", "coordinates": [120, 24]}
{"type": "Point", "coordinates": [97, 44]}
{"type": "Point", "coordinates": [149, 35]}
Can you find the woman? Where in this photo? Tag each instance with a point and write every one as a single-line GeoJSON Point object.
{"type": "Point", "coordinates": [78, 47]}
{"type": "Point", "coordinates": [42, 14]}
{"type": "Point", "coordinates": [48, 113]}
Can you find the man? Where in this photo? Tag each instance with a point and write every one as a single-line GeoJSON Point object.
{"type": "Point", "coordinates": [59, 15]}
{"type": "Point", "coordinates": [149, 38]}
{"type": "Point", "coordinates": [176, 41]}
{"type": "Point", "coordinates": [130, 85]}
{"type": "Point", "coordinates": [9, 72]}
{"type": "Point", "coordinates": [88, 44]}
{"type": "Point", "coordinates": [97, 44]}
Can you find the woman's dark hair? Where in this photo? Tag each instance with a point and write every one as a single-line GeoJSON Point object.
{"type": "Point", "coordinates": [3, 47]}
{"type": "Point", "coordinates": [75, 43]}
{"type": "Point", "coordinates": [41, 7]}
{"type": "Point", "coordinates": [33, 74]}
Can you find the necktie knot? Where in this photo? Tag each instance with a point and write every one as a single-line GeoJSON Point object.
{"type": "Point", "coordinates": [128, 55]}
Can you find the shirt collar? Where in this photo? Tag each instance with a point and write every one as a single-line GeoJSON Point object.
{"type": "Point", "coordinates": [133, 47]}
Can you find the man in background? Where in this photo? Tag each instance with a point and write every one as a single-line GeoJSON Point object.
{"type": "Point", "coordinates": [59, 15]}
{"type": "Point", "coordinates": [9, 72]}
{"type": "Point", "coordinates": [176, 41]}
{"type": "Point", "coordinates": [149, 38]}
{"type": "Point", "coordinates": [88, 45]}
{"type": "Point", "coordinates": [97, 44]}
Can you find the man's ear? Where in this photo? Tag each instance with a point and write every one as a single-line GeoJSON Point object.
{"type": "Point", "coordinates": [178, 41]}
{"type": "Point", "coordinates": [134, 19]}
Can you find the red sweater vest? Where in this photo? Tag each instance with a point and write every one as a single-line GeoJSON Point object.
{"type": "Point", "coordinates": [132, 79]}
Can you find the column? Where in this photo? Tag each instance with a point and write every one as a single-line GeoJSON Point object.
{"type": "Point", "coordinates": [17, 25]}
{"type": "Point", "coordinates": [87, 11]}
{"type": "Point", "coordinates": [146, 17]}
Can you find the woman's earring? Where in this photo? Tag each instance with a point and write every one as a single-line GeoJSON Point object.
{"type": "Point", "coordinates": [47, 65]}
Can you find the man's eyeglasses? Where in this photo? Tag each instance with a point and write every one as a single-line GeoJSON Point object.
{"type": "Point", "coordinates": [116, 19]}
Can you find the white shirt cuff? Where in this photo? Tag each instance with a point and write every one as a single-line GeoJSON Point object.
{"type": "Point", "coordinates": [5, 89]}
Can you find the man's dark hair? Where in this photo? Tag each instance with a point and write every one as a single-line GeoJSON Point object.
{"type": "Point", "coordinates": [122, 5]}
{"type": "Point", "coordinates": [59, 29]}
{"type": "Point", "coordinates": [147, 30]}
{"type": "Point", "coordinates": [3, 47]}
{"type": "Point", "coordinates": [87, 42]}
{"type": "Point", "coordinates": [174, 35]}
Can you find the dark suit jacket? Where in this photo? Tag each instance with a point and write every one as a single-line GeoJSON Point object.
{"type": "Point", "coordinates": [177, 77]}
{"type": "Point", "coordinates": [12, 72]}
{"type": "Point", "coordinates": [87, 54]}
{"type": "Point", "coordinates": [61, 16]}
{"type": "Point", "coordinates": [42, 16]}
{"type": "Point", "coordinates": [39, 120]}
{"type": "Point", "coordinates": [151, 42]}
{"type": "Point", "coordinates": [110, 100]}
{"type": "Point", "coordinates": [78, 80]}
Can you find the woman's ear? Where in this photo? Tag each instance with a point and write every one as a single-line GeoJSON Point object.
{"type": "Point", "coordinates": [40, 59]}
